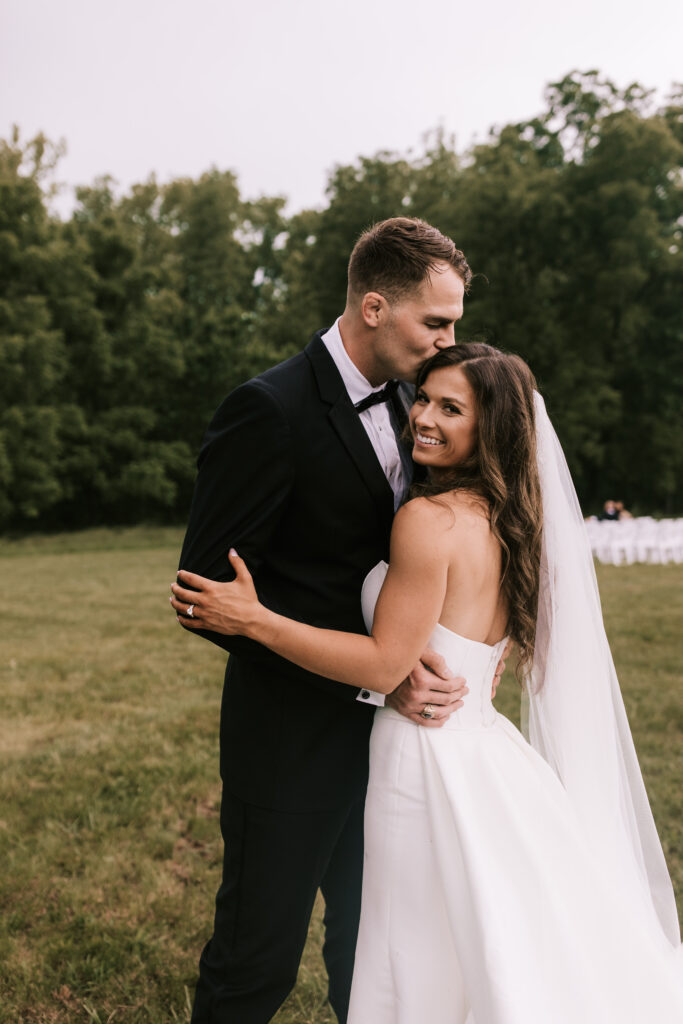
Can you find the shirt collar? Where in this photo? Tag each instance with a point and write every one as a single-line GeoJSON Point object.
{"type": "Point", "coordinates": [357, 386]}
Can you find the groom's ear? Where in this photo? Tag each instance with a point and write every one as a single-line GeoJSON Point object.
{"type": "Point", "coordinates": [373, 308]}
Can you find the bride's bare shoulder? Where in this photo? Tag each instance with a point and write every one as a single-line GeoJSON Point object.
{"type": "Point", "coordinates": [418, 530]}
{"type": "Point", "coordinates": [416, 507]}
{"type": "Point", "coordinates": [422, 513]}
{"type": "Point", "coordinates": [441, 521]}
{"type": "Point", "coordinates": [452, 510]}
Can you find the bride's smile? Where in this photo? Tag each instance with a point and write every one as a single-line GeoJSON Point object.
{"type": "Point", "coordinates": [423, 439]}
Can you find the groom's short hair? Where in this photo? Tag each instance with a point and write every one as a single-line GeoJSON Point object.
{"type": "Point", "coordinates": [395, 256]}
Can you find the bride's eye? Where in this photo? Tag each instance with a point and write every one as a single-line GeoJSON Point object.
{"type": "Point", "coordinates": [421, 397]}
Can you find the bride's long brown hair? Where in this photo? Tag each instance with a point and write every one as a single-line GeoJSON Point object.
{"type": "Point", "coordinates": [502, 472]}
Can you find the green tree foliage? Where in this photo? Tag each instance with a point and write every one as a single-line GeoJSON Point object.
{"type": "Point", "coordinates": [122, 328]}
{"type": "Point", "coordinates": [120, 331]}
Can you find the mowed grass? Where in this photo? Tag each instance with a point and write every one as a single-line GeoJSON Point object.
{"type": "Point", "coordinates": [109, 792]}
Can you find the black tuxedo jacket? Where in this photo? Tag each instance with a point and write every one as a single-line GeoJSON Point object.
{"type": "Point", "coordinates": [288, 476]}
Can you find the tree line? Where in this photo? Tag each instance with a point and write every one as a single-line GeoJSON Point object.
{"type": "Point", "coordinates": [124, 326]}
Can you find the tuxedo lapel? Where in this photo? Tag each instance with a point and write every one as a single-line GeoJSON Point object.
{"type": "Point", "coordinates": [399, 408]}
{"type": "Point", "coordinates": [403, 400]}
{"type": "Point", "coordinates": [346, 422]}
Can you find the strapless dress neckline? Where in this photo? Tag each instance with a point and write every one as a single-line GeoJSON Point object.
{"type": "Point", "coordinates": [474, 660]}
{"type": "Point", "coordinates": [469, 640]}
{"type": "Point", "coordinates": [459, 636]}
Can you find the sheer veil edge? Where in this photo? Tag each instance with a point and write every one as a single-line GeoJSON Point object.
{"type": "Point", "coordinates": [573, 712]}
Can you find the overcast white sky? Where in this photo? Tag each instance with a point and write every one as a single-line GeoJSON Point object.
{"type": "Point", "coordinates": [281, 91]}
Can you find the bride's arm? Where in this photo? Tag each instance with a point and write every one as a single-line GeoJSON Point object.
{"type": "Point", "coordinates": [407, 610]}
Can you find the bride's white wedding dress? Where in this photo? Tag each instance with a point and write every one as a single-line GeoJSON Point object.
{"type": "Point", "coordinates": [483, 899]}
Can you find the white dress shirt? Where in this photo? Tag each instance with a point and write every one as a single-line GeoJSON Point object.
{"type": "Point", "coordinates": [377, 423]}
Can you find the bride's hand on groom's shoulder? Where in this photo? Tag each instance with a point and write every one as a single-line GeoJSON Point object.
{"type": "Point", "coordinates": [227, 608]}
{"type": "Point", "coordinates": [430, 683]}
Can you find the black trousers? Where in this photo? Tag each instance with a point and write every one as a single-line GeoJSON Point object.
{"type": "Point", "coordinates": [274, 864]}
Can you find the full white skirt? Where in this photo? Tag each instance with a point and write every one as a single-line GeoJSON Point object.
{"type": "Point", "coordinates": [483, 903]}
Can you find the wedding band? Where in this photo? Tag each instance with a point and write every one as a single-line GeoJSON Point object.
{"type": "Point", "coordinates": [427, 711]}
{"type": "Point", "coordinates": [190, 612]}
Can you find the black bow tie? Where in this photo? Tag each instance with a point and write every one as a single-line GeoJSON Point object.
{"type": "Point", "coordinates": [385, 394]}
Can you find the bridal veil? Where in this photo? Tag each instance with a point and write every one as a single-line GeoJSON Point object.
{"type": "Point", "coordinates": [573, 710]}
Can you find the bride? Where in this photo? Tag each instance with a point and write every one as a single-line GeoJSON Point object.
{"type": "Point", "coordinates": [506, 880]}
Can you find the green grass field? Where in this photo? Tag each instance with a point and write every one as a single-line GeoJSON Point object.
{"type": "Point", "coordinates": [109, 791]}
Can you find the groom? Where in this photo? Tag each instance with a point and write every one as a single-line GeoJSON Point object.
{"type": "Point", "coordinates": [301, 470]}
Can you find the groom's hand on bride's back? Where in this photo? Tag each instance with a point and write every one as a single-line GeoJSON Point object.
{"type": "Point", "coordinates": [430, 682]}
